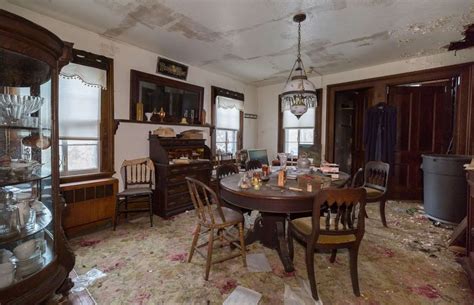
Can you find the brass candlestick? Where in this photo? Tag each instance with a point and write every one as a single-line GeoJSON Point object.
{"type": "Point", "coordinates": [161, 114]}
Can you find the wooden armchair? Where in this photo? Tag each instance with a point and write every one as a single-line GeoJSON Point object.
{"type": "Point", "coordinates": [376, 175]}
{"type": "Point", "coordinates": [341, 227]}
{"type": "Point", "coordinates": [252, 165]}
{"type": "Point", "coordinates": [137, 177]}
{"type": "Point", "coordinates": [215, 219]}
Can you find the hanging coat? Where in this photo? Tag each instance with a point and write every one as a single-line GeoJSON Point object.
{"type": "Point", "coordinates": [380, 133]}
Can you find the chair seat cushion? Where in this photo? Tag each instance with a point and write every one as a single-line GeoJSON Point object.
{"type": "Point", "coordinates": [305, 226]}
{"type": "Point", "coordinates": [372, 193]}
{"type": "Point", "coordinates": [136, 191]}
{"type": "Point", "coordinates": [231, 216]}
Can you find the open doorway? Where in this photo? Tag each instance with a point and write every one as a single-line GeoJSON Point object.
{"type": "Point", "coordinates": [350, 107]}
{"type": "Point", "coordinates": [425, 125]}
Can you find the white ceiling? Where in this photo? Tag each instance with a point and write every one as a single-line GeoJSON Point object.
{"type": "Point", "coordinates": [255, 40]}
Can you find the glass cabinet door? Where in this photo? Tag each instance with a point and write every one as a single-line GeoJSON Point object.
{"type": "Point", "coordinates": [26, 200]}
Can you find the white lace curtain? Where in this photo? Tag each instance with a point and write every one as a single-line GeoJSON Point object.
{"type": "Point", "coordinates": [229, 103]}
{"type": "Point", "coordinates": [228, 113]}
{"type": "Point", "coordinates": [89, 76]}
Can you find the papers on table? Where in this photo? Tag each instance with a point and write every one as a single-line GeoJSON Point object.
{"type": "Point", "coordinates": [243, 296]}
{"type": "Point", "coordinates": [258, 263]}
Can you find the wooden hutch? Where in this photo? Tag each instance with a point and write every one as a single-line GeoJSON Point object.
{"type": "Point", "coordinates": [171, 195]}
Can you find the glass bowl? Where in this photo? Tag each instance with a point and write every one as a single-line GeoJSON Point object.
{"type": "Point", "coordinates": [16, 107]}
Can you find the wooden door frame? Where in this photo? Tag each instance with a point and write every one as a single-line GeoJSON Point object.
{"type": "Point", "coordinates": [464, 112]}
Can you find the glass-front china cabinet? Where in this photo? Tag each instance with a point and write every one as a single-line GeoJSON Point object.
{"type": "Point", "coordinates": [35, 259]}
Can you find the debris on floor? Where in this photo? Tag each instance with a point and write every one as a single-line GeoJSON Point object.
{"type": "Point", "coordinates": [243, 296]}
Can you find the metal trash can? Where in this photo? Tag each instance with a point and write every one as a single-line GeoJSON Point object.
{"type": "Point", "coordinates": [445, 187]}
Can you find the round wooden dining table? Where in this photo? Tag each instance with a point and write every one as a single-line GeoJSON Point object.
{"type": "Point", "coordinates": [275, 204]}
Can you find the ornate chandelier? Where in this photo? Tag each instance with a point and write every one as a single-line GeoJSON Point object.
{"type": "Point", "coordinates": [299, 93]}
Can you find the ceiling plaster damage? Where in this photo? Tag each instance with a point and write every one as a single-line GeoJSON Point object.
{"type": "Point", "coordinates": [255, 40]}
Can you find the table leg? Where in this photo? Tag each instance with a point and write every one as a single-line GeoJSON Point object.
{"type": "Point", "coordinates": [269, 229]}
{"type": "Point", "coordinates": [283, 248]}
{"type": "Point", "coordinates": [256, 232]}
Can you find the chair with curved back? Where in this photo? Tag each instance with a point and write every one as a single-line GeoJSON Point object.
{"type": "Point", "coordinates": [376, 175]}
{"type": "Point", "coordinates": [215, 219]}
{"type": "Point", "coordinates": [253, 165]}
{"type": "Point", "coordinates": [342, 227]}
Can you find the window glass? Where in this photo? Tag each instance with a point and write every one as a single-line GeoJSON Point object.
{"type": "Point", "coordinates": [79, 122]}
{"type": "Point", "coordinates": [226, 141]}
{"type": "Point", "coordinates": [227, 124]}
{"type": "Point", "coordinates": [296, 136]}
{"type": "Point", "coordinates": [306, 136]}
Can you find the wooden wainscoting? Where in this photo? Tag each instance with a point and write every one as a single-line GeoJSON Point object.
{"type": "Point", "coordinates": [89, 205]}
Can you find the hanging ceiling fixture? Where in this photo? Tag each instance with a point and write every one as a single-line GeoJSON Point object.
{"type": "Point", "coordinates": [299, 93]}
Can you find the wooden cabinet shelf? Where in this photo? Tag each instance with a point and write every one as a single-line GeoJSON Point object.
{"type": "Point", "coordinates": [119, 121]}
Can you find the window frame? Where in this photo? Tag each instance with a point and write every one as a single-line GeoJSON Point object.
{"type": "Point", "coordinates": [107, 122]}
{"type": "Point", "coordinates": [215, 92]}
{"type": "Point", "coordinates": [317, 123]}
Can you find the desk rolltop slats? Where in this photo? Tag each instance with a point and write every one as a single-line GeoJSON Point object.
{"type": "Point", "coordinates": [171, 193]}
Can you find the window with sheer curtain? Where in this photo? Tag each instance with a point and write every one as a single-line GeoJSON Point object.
{"type": "Point", "coordinates": [228, 113]}
{"type": "Point", "coordinates": [298, 131]}
{"type": "Point", "coordinates": [79, 119]}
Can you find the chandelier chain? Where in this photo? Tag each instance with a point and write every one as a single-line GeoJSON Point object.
{"type": "Point", "coordinates": [299, 40]}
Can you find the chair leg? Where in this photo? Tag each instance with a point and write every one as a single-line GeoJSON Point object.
{"type": "Point", "coordinates": [242, 244]}
{"type": "Point", "coordinates": [353, 254]}
{"type": "Point", "coordinates": [209, 253]}
{"type": "Point", "coordinates": [151, 209]}
{"type": "Point", "coordinates": [310, 269]}
{"type": "Point", "coordinates": [332, 259]}
{"type": "Point", "coordinates": [117, 214]}
{"type": "Point", "coordinates": [291, 248]}
{"type": "Point", "coordinates": [382, 213]}
{"type": "Point", "coordinates": [126, 208]}
{"type": "Point", "coordinates": [195, 239]}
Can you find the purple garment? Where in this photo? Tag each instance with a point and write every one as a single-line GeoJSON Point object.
{"type": "Point", "coordinates": [380, 133]}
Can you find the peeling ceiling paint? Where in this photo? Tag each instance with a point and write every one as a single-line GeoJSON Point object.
{"type": "Point", "coordinates": [255, 40]}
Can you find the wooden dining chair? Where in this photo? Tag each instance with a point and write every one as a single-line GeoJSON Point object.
{"type": "Point", "coordinates": [253, 165]}
{"type": "Point", "coordinates": [375, 177]}
{"type": "Point", "coordinates": [137, 176]}
{"type": "Point", "coordinates": [341, 226]}
{"type": "Point", "coordinates": [225, 170]}
{"type": "Point", "coordinates": [215, 219]}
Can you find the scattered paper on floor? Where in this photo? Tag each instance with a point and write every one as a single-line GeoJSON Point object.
{"type": "Point", "coordinates": [258, 262]}
{"type": "Point", "coordinates": [83, 281]}
{"type": "Point", "coordinates": [243, 296]}
{"type": "Point", "coordinates": [139, 219]}
{"type": "Point", "coordinates": [299, 295]}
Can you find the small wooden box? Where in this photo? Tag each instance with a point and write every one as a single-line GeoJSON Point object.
{"type": "Point", "coordinates": [317, 182]}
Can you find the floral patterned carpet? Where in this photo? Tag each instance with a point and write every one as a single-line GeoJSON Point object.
{"type": "Point", "coordinates": [407, 263]}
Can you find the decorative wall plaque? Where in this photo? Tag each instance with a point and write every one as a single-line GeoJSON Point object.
{"type": "Point", "coordinates": [171, 68]}
{"type": "Point", "coordinates": [250, 116]}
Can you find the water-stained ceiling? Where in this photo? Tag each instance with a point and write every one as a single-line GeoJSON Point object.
{"type": "Point", "coordinates": [255, 40]}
